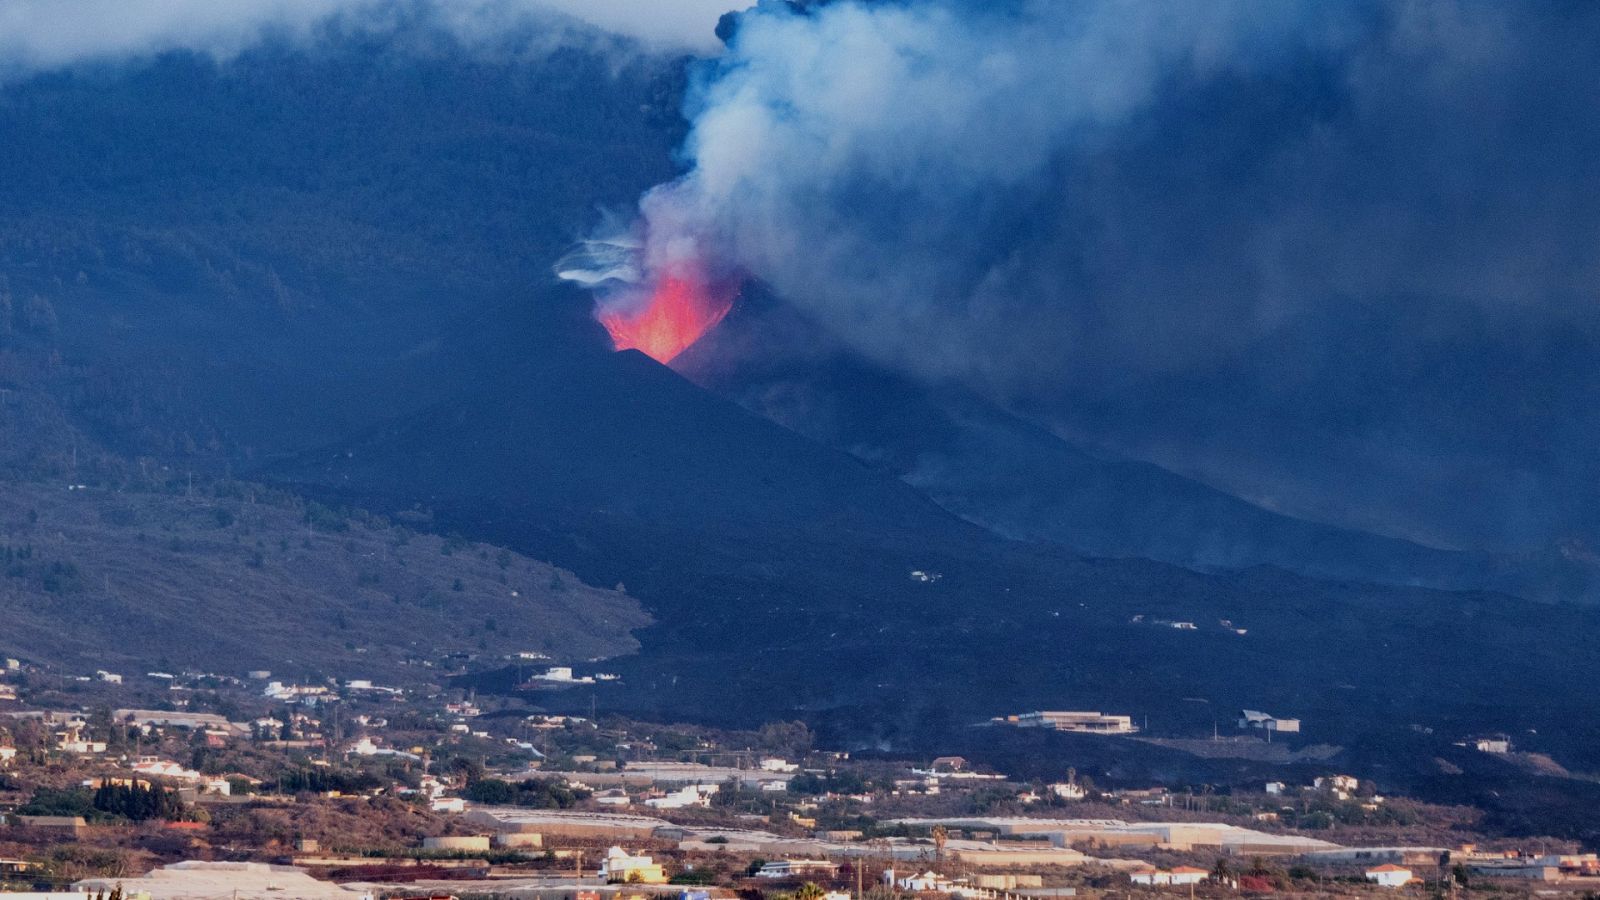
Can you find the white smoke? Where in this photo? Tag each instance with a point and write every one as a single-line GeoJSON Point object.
{"type": "Point", "coordinates": [850, 156]}
{"type": "Point", "coordinates": [599, 263]}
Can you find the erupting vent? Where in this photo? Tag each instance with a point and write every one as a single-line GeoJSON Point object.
{"type": "Point", "coordinates": [681, 308]}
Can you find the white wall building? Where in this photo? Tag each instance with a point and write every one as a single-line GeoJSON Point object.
{"type": "Point", "coordinates": [684, 797]}
{"type": "Point", "coordinates": [1180, 875]}
{"type": "Point", "coordinates": [797, 868]}
{"type": "Point", "coordinates": [1081, 722]}
{"type": "Point", "coordinates": [1260, 721]}
{"type": "Point", "coordinates": [1069, 790]}
{"type": "Point", "coordinates": [621, 866]}
{"type": "Point", "coordinates": [1390, 876]}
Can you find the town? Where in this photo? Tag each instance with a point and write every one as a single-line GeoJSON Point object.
{"type": "Point", "coordinates": [194, 784]}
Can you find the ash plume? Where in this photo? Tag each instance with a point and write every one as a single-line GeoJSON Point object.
{"type": "Point", "coordinates": [1337, 258]}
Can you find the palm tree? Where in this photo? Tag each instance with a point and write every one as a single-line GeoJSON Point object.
{"type": "Point", "coordinates": [809, 891]}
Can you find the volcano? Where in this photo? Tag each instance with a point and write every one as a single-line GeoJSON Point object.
{"type": "Point", "coordinates": [759, 552]}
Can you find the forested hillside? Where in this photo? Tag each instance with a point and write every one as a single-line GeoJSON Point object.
{"type": "Point", "coordinates": [233, 575]}
{"type": "Point", "coordinates": [207, 261]}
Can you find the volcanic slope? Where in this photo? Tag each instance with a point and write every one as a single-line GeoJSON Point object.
{"type": "Point", "coordinates": [1019, 480]}
{"type": "Point", "coordinates": [578, 429]}
{"type": "Point", "coordinates": [232, 576]}
{"type": "Point", "coordinates": [787, 578]}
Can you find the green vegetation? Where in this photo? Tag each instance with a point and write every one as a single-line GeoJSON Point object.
{"type": "Point", "coordinates": [836, 782]}
{"type": "Point", "coordinates": [109, 802]}
{"type": "Point", "coordinates": [54, 802]}
{"type": "Point", "coordinates": [541, 793]}
{"type": "Point", "coordinates": [319, 780]}
{"type": "Point", "coordinates": [139, 802]}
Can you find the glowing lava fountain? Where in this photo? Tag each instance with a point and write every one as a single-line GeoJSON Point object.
{"type": "Point", "coordinates": [680, 308]}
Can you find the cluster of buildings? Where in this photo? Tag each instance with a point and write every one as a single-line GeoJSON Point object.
{"type": "Point", "coordinates": [562, 676]}
{"type": "Point", "coordinates": [1094, 722]}
{"type": "Point", "coordinates": [1186, 625]}
{"type": "Point", "coordinates": [666, 785]}
{"type": "Point", "coordinates": [304, 694]}
{"type": "Point", "coordinates": [1115, 834]}
{"type": "Point", "coordinates": [157, 769]}
{"type": "Point", "coordinates": [615, 765]}
{"type": "Point", "coordinates": [1398, 866]}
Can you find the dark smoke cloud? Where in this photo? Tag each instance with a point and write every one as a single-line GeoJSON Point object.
{"type": "Point", "coordinates": [1338, 257]}
{"type": "Point", "coordinates": [43, 34]}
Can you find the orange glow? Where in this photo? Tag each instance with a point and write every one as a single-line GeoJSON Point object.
{"type": "Point", "coordinates": [680, 309]}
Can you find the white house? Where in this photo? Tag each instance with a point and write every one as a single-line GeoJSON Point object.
{"type": "Point", "coordinates": [367, 747]}
{"type": "Point", "coordinates": [307, 695]}
{"type": "Point", "coordinates": [773, 764]}
{"type": "Point", "coordinates": [1179, 875]}
{"type": "Point", "coordinates": [156, 767]}
{"type": "Point", "coordinates": [684, 797]}
{"type": "Point", "coordinates": [797, 868]}
{"type": "Point", "coordinates": [563, 675]}
{"type": "Point", "coordinates": [1069, 790]}
{"type": "Point", "coordinates": [7, 754]}
{"type": "Point", "coordinates": [621, 866]}
{"type": "Point", "coordinates": [1255, 718]}
{"type": "Point", "coordinates": [71, 740]}
{"type": "Point", "coordinates": [1389, 875]}
{"type": "Point", "coordinates": [927, 881]}
{"type": "Point", "coordinates": [1076, 721]}
{"type": "Point", "coordinates": [613, 797]}
{"type": "Point", "coordinates": [1340, 786]}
